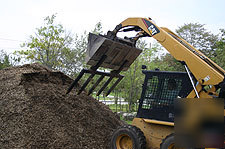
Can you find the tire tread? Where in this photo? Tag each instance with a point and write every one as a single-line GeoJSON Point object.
{"type": "Point", "coordinates": [135, 130]}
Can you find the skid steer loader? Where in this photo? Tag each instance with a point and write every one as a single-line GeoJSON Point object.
{"type": "Point", "coordinates": [153, 126]}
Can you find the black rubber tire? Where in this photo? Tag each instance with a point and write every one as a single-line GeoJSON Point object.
{"type": "Point", "coordinates": [167, 141]}
{"type": "Point", "coordinates": [135, 134]}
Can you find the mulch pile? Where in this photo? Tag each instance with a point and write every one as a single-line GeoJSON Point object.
{"type": "Point", "coordinates": [35, 112]}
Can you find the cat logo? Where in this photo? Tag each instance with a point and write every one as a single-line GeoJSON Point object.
{"type": "Point", "coordinates": [151, 27]}
{"type": "Point", "coordinates": [152, 30]}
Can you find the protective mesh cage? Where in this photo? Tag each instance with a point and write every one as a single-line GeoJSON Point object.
{"type": "Point", "coordinates": [159, 91]}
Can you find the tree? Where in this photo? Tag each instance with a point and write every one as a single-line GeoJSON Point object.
{"type": "Point", "coordinates": [75, 59]}
{"type": "Point", "coordinates": [131, 85]}
{"type": "Point", "coordinates": [199, 37]}
{"type": "Point", "coordinates": [97, 29]}
{"type": "Point", "coordinates": [54, 47]}
{"type": "Point", "coordinates": [4, 60]}
{"type": "Point", "coordinates": [220, 50]}
{"type": "Point", "coordinates": [167, 63]}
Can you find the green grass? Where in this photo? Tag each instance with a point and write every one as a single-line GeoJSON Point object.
{"type": "Point", "coordinates": [101, 97]}
{"type": "Point", "coordinates": [116, 108]}
{"type": "Point", "coordinates": [119, 107]}
{"type": "Point", "coordinates": [128, 122]}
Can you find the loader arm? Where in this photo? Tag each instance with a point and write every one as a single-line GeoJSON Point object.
{"type": "Point", "coordinates": [117, 54]}
{"type": "Point", "coordinates": [205, 71]}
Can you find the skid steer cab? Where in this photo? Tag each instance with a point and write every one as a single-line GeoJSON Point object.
{"type": "Point", "coordinates": [153, 126]}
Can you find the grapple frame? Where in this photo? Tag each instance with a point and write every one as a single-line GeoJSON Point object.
{"type": "Point", "coordinates": [115, 53]}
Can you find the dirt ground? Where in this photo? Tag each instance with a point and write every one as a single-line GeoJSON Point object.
{"type": "Point", "coordinates": [36, 113]}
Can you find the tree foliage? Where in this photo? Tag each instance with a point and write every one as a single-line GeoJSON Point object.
{"type": "Point", "coordinates": [74, 59]}
{"type": "Point", "coordinates": [97, 29]}
{"type": "Point", "coordinates": [196, 35]}
{"type": "Point", "coordinates": [199, 37]}
{"type": "Point", "coordinates": [220, 50]}
{"type": "Point", "coordinates": [54, 47]}
{"type": "Point", "coordinates": [167, 63]}
{"type": "Point", "coordinates": [131, 85]}
{"type": "Point", "coordinates": [4, 60]}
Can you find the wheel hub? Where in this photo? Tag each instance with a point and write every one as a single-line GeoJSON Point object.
{"type": "Point", "coordinates": [124, 142]}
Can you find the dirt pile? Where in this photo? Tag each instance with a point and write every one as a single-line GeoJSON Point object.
{"type": "Point", "coordinates": [36, 113]}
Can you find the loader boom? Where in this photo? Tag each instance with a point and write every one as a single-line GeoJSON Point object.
{"type": "Point", "coordinates": [205, 71]}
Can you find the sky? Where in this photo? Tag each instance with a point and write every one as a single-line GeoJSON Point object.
{"type": "Point", "coordinates": [20, 18]}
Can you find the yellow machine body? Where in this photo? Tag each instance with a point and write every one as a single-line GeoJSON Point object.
{"type": "Point", "coordinates": [154, 131]}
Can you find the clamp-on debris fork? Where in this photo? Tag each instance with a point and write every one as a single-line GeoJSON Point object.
{"type": "Point", "coordinates": [116, 54]}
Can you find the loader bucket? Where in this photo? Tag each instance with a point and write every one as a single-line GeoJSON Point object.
{"type": "Point", "coordinates": [115, 51]}
{"type": "Point", "coordinates": [117, 54]}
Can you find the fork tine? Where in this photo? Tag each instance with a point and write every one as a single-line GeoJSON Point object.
{"type": "Point", "coordinates": [114, 85]}
{"type": "Point", "coordinates": [96, 84]}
